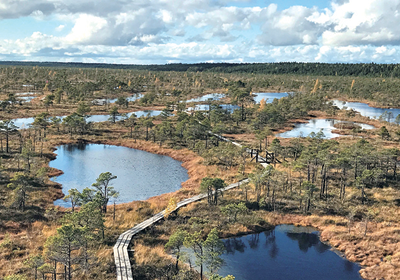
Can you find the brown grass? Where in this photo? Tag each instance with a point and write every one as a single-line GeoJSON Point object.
{"type": "Point", "coordinates": [377, 252]}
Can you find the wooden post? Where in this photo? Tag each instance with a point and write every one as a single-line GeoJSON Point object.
{"type": "Point", "coordinates": [55, 270]}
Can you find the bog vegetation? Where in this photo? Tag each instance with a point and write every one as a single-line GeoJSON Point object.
{"type": "Point", "coordinates": [347, 187]}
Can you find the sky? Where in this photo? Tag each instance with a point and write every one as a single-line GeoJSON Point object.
{"type": "Point", "coordinates": [193, 31]}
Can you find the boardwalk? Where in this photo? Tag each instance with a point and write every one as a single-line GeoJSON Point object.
{"type": "Point", "coordinates": [121, 256]}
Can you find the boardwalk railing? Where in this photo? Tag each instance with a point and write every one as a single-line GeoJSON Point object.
{"type": "Point", "coordinates": [121, 256]}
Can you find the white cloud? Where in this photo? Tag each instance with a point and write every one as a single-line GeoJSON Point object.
{"type": "Point", "coordinates": [38, 15]}
{"type": "Point", "coordinates": [290, 27]}
{"type": "Point", "coordinates": [87, 29]}
{"type": "Point", "coordinates": [205, 30]}
{"type": "Point", "coordinates": [166, 16]}
{"type": "Point", "coordinates": [361, 22]}
{"type": "Point", "coordinates": [30, 45]}
{"type": "Point", "coordinates": [60, 27]}
{"type": "Point", "coordinates": [221, 22]}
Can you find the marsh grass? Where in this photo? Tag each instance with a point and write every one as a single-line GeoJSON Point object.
{"type": "Point", "coordinates": [377, 250]}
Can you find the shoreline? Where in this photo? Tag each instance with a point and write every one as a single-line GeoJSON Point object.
{"type": "Point", "coordinates": [300, 220]}
{"type": "Point", "coordinates": [353, 246]}
{"type": "Point", "coordinates": [185, 158]}
{"type": "Point", "coordinates": [372, 104]}
{"type": "Point", "coordinates": [32, 114]}
{"type": "Point", "coordinates": [325, 235]}
{"type": "Point", "coordinates": [318, 115]}
{"type": "Point", "coordinates": [326, 242]}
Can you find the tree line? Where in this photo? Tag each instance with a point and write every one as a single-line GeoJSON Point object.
{"type": "Point", "coordinates": [278, 68]}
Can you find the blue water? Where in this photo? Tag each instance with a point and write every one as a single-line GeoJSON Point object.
{"type": "Point", "coordinates": [140, 174]}
{"type": "Point", "coordinates": [258, 96]}
{"type": "Point", "coordinates": [367, 111]}
{"type": "Point", "coordinates": [26, 98]}
{"type": "Point", "coordinates": [103, 118]}
{"type": "Point", "coordinates": [285, 253]}
{"type": "Point", "coordinates": [24, 93]}
{"type": "Point", "coordinates": [131, 98]}
{"type": "Point", "coordinates": [207, 97]}
{"type": "Point", "coordinates": [205, 107]}
{"type": "Point", "coordinates": [316, 125]}
{"type": "Point", "coordinates": [25, 122]}
{"type": "Point", "coordinates": [268, 96]}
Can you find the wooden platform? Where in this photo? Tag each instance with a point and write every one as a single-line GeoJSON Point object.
{"type": "Point", "coordinates": [121, 256]}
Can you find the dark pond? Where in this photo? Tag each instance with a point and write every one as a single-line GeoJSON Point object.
{"type": "Point", "coordinates": [25, 122]}
{"type": "Point", "coordinates": [140, 174]}
{"type": "Point", "coordinates": [287, 252]}
{"type": "Point", "coordinates": [316, 125]}
{"type": "Point", "coordinates": [367, 111]}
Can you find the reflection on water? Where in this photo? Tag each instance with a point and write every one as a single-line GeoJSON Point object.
{"type": "Point", "coordinates": [257, 96]}
{"type": "Point", "coordinates": [207, 97]}
{"type": "Point", "coordinates": [367, 111]}
{"type": "Point", "coordinates": [103, 118]}
{"type": "Point", "coordinates": [24, 93]}
{"type": "Point", "coordinates": [316, 125]}
{"type": "Point", "coordinates": [287, 252]}
{"type": "Point", "coordinates": [131, 98]}
{"type": "Point", "coordinates": [140, 174]}
{"type": "Point", "coordinates": [234, 244]}
{"type": "Point", "coordinates": [204, 107]}
{"type": "Point", "coordinates": [26, 98]}
{"type": "Point", "coordinates": [268, 96]}
{"type": "Point", "coordinates": [25, 122]}
{"type": "Point", "coordinates": [307, 241]}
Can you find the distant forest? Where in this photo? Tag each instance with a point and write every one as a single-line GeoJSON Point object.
{"type": "Point", "coordinates": [298, 68]}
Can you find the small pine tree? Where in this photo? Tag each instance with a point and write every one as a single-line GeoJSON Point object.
{"type": "Point", "coordinates": [170, 207]}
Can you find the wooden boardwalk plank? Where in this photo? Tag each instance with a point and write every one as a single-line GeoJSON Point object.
{"type": "Point", "coordinates": [121, 256]}
{"type": "Point", "coordinates": [120, 249]}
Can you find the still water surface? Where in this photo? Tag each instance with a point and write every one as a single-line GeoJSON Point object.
{"type": "Point", "coordinates": [131, 98]}
{"type": "Point", "coordinates": [207, 97]}
{"type": "Point", "coordinates": [257, 96]}
{"type": "Point", "coordinates": [24, 93]}
{"type": "Point", "coordinates": [140, 174]}
{"type": "Point", "coordinates": [25, 122]}
{"type": "Point", "coordinates": [366, 110]}
{"type": "Point", "coordinates": [204, 107]}
{"type": "Point", "coordinates": [287, 252]}
{"type": "Point", "coordinates": [26, 99]}
{"type": "Point", "coordinates": [316, 125]}
{"type": "Point", "coordinates": [268, 96]}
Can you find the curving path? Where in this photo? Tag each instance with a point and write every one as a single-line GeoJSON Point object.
{"type": "Point", "coordinates": [121, 256]}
